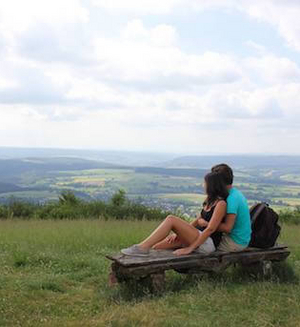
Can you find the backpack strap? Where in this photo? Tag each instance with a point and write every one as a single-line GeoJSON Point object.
{"type": "Point", "coordinates": [256, 210]}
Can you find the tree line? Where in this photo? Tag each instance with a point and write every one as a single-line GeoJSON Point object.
{"type": "Point", "coordinates": [70, 206]}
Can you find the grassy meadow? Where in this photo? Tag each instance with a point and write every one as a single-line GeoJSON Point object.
{"type": "Point", "coordinates": [54, 273]}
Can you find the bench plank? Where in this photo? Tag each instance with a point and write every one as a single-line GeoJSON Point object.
{"type": "Point", "coordinates": [167, 256]}
{"type": "Point", "coordinates": [151, 269]}
{"type": "Point", "coordinates": [203, 263]}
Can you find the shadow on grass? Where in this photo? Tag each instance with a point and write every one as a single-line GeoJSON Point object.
{"type": "Point", "coordinates": [282, 272]}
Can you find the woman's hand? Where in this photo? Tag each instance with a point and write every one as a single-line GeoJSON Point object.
{"type": "Point", "coordinates": [183, 251]}
{"type": "Point", "coordinates": [202, 222]}
{"type": "Point", "coordinates": [172, 238]}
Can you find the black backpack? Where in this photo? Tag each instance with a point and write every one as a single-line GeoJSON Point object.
{"type": "Point", "coordinates": [265, 228]}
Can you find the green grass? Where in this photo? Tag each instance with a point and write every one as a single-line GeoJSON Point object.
{"type": "Point", "coordinates": [54, 273]}
{"type": "Point", "coordinates": [181, 197]}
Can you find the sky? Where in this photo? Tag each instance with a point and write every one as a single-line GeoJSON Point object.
{"type": "Point", "coordinates": [173, 76]}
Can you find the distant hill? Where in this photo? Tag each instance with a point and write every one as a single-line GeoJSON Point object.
{"type": "Point", "coordinates": [12, 168]}
{"type": "Point", "coordinates": [237, 161]}
{"type": "Point", "coordinates": [9, 187]}
{"type": "Point", "coordinates": [146, 159]}
{"type": "Point", "coordinates": [182, 172]}
{"type": "Point", "coordinates": [129, 158]}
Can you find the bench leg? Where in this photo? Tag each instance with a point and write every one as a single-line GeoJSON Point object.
{"type": "Point", "coordinates": [266, 266]}
{"type": "Point", "coordinates": [112, 278]}
{"type": "Point", "coordinates": [261, 267]}
{"type": "Point", "coordinates": [115, 275]}
{"type": "Point", "coordinates": [155, 282]}
{"type": "Point", "coordinates": [158, 282]}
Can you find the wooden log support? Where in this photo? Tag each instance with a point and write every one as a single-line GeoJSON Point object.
{"type": "Point", "coordinates": [267, 268]}
{"type": "Point", "coordinates": [157, 282]}
{"type": "Point", "coordinates": [112, 278]}
{"type": "Point", "coordinates": [152, 268]}
{"type": "Point", "coordinates": [264, 267]}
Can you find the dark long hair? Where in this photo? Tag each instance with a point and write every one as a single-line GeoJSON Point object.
{"type": "Point", "coordinates": [215, 188]}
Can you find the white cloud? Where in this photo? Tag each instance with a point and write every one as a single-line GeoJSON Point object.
{"type": "Point", "coordinates": [161, 35]}
{"type": "Point", "coordinates": [69, 83]}
{"type": "Point", "coordinates": [283, 15]}
{"type": "Point", "coordinates": [273, 69]}
{"type": "Point", "coordinates": [259, 48]}
{"type": "Point", "coordinates": [17, 16]}
{"type": "Point", "coordinates": [141, 54]}
{"type": "Point", "coordinates": [140, 7]}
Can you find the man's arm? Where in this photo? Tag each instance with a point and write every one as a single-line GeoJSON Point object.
{"type": "Point", "coordinates": [226, 227]}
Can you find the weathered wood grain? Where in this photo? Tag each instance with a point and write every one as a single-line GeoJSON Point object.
{"type": "Point", "coordinates": [153, 266]}
{"type": "Point", "coordinates": [165, 256]}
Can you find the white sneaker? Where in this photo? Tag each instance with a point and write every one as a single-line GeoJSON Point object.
{"type": "Point", "coordinates": [135, 250]}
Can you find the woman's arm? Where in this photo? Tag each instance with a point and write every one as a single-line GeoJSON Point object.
{"type": "Point", "coordinates": [199, 221]}
{"type": "Point", "coordinates": [226, 227]}
{"type": "Point", "coordinates": [194, 222]}
{"type": "Point", "coordinates": [213, 224]}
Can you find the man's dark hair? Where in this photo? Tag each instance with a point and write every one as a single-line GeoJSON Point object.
{"type": "Point", "coordinates": [225, 171]}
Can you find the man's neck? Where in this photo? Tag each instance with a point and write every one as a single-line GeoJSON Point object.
{"type": "Point", "coordinates": [229, 187]}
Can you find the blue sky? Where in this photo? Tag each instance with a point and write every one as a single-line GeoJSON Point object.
{"type": "Point", "coordinates": [181, 76]}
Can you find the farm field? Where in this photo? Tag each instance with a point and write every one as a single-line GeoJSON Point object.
{"type": "Point", "coordinates": [54, 273]}
{"type": "Point", "coordinates": [172, 185]}
{"type": "Point", "coordinates": [152, 189]}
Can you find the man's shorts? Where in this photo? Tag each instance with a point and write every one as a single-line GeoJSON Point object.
{"type": "Point", "coordinates": [228, 245]}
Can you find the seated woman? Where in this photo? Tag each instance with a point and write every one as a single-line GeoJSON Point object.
{"type": "Point", "coordinates": [194, 236]}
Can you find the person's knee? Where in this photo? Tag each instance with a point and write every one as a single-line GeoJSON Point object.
{"type": "Point", "coordinates": [171, 217]}
{"type": "Point", "coordinates": [173, 220]}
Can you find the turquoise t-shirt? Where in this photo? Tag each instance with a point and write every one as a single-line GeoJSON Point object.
{"type": "Point", "coordinates": [237, 204]}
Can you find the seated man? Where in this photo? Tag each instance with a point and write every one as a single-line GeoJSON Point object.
{"type": "Point", "coordinates": [237, 225]}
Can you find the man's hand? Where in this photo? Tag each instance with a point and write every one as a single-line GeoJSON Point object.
{"type": "Point", "coordinates": [183, 251]}
{"type": "Point", "coordinates": [202, 222]}
{"type": "Point", "coordinates": [172, 238]}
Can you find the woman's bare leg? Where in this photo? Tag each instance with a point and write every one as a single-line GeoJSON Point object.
{"type": "Point", "coordinates": [164, 245]}
{"type": "Point", "coordinates": [186, 232]}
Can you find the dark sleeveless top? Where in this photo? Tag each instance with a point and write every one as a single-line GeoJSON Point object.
{"type": "Point", "coordinates": [206, 215]}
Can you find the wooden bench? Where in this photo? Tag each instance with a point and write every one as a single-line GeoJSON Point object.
{"type": "Point", "coordinates": [152, 268]}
